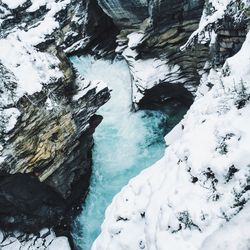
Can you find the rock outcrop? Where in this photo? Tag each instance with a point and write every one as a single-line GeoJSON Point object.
{"type": "Point", "coordinates": [152, 33]}
{"type": "Point", "coordinates": [47, 110]}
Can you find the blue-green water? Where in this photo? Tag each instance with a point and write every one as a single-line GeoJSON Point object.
{"type": "Point", "coordinates": [125, 143]}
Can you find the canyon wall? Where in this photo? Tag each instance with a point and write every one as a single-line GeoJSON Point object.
{"type": "Point", "coordinates": [47, 110]}
{"type": "Point", "coordinates": [151, 37]}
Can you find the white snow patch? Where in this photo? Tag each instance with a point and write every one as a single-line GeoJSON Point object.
{"type": "Point", "coordinates": [232, 236]}
{"type": "Point", "coordinates": [10, 117]}
{"type": "Point", "coordinates": [31, 68]}
{"type": "Point", "coordinates": [149, 72]}
{"type": "Point", "coordinates": [135, 39]}
{"type": "Point", "coordinates": [61, 243]}
{"type": "Point", "coordinates": [86, 86]}
{"type": "Point", "coordinates": [204, 36]}
{"type": "Point", "coordinates": [12, 4]}
{"type": "Point", "coordinates": [46, 241]}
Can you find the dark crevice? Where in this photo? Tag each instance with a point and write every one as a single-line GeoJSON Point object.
{"type": "Point", "coordinates": [164, 95]}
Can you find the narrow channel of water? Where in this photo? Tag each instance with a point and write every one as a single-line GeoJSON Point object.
{"type": "Point", "coordinates": [125, 143]}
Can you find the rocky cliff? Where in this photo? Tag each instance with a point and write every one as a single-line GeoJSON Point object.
{"type": "Point", "coordinates": [152, 33]}
{"type": "Point", "coordinates": [47, 110]}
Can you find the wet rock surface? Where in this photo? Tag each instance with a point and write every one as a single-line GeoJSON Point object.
{"type": "Point", "coordinates": [17, 201]}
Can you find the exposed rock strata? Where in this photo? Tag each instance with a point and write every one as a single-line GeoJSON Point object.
{"type": "Point", "coordinates": [152, 33]}
{"type": "Point", "coordinates": [163, 26]}
{"type": "Point", "coordinates": [46, 127]}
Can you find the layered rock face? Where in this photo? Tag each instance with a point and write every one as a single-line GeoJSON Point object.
{"type": "Point", "coordinates": [160, 28]}
{"type": "Point", "coordinates": [126, 14]}
{"type": "Point", "coordinates": [152, 33]}
{"type": "Point", "coordinates": [47, 111]}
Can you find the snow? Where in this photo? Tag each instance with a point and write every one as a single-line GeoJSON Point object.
{"type": "Point", "coordinates": [197, 195]}
{"type": "Point", "coordinates": [135, 39]}
{"type": "Point", "coordinates": [11, 115]}
{"type": "Point", "coordinates": [46, 241]}
{"type": "Point", "coordinates": [203, 35]}
{"type": "Point", "coordinates": [25, 69]}
{"type": "Point", "coordinates": [149, 72]}
{"type": "Point", "coordinates": [59, 243]}
{"type": "Point", "coordinates": [85, 85]}
{"type": "Point", "coordinates": [165, 190]}
{"type": "Point", "coordinates": [31, 68]}
{"type": "Point", "coordinates": [77, 45]}
{"type": "Point", "coordinates": [37, 34]}
{"type": "Point", "coordinates": [12, 4]}
{"type": "Point", "coordinates": [36, 4]}
{"type": "Point", "coordinates": [240, 69]}
{"type": "Point", "coordinates": [237, 228]}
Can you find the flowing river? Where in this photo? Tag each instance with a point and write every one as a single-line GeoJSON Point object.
{"type": "Point", "coordinates": [125, 143]}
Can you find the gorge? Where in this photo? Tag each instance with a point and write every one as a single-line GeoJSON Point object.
{"type": "Point", "coordinates": [88, 89]}
{"type": "Point", "coordinates": [125, 142]}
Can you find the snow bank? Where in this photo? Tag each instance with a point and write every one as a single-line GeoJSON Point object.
{"type": "Point", "coordinates": [237, 229]}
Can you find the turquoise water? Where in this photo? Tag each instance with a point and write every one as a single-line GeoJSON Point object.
{"type": "Point", "coordinates": [125, 143]}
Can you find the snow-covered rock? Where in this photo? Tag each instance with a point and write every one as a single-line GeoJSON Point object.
{"type": "Point", "coordinates": [148, 73]}
{"type": "Point", "coordinates": [162, 48]}
{"type": "Point", "coordinates": [46, 119]}
{"type": "Point", "coordinates": [47, 116]}
{"type": "Point", "coordinates": [45, 240]}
